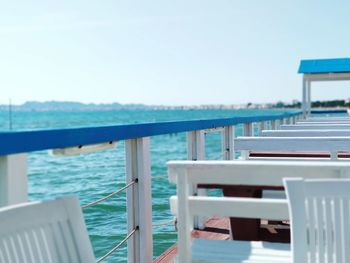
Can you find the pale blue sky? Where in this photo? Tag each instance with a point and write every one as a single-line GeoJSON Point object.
{"type": "Point", "coordinates": [167, 52]}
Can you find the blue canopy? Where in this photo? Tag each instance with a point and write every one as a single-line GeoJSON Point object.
{"type": "Point", "coordinates": [316, 66]}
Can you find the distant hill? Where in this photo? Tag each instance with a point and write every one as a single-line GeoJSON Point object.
{"type": "Point", "coordinates": [73, 106]}
{"type": "Point", "coordinates": [78, 106]}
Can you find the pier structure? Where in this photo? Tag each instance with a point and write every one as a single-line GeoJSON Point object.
{"type": "Point", "coordinates": [15, 146]}
{"type": "Point", "coordinates": [272, 147]}
{"type": "Point", "coordinates": [315, 70]}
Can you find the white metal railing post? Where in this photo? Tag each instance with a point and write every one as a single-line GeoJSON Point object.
{"type": "Point", "coordinates": [261, 127]}
{"type": "Point", "coordinates": [139, 200]}
{"type": "Point", "coordinates": [227, 141]}
{"type": "Point", "coordinates": [281, 122]}
{"type": "Point", "coordinates": [277, 124]}
{"type": "Point", "coordinates": [273, 125]}
{"type": "Point", "coordinates": [13, 179]}
{"type": "Point", "coordinates": [196, 145]}
{"type": "Point", "coordinates": [195, 152]}
{"type": "Point", "coordinates": [247, 131]}
{"type": "Point", "coordinates": [304, 96]}
{"type": "Point", "coordinates": [308, 97]}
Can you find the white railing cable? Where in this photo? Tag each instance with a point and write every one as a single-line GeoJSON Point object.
{"type": "Point", "coordinates": [160, 177]}
{"type": "Point", "coordinates": [110, 195]}
{"type": "Point", "coordinates": [118, 246]}
{"type": "Point", "coordinates": [165, 223]}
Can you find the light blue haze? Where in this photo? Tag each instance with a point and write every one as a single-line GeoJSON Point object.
{"type": "Point", "coordinates": [167, 52]}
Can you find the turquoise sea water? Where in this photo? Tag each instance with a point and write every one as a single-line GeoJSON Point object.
{"type": "Point", "coordinates": [92, 176]}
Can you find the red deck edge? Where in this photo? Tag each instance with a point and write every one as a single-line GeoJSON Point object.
{"type": "Point", "coordinates": [298, 154]}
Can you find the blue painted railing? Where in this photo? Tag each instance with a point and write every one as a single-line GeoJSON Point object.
{"type": "Point", "coordinates": [330, 111]}
{"type": "Point", "coordinates": [36, 140]}
{"type": "Point", "coordinates": [137, 163]}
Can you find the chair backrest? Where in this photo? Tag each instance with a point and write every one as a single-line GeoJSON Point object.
{"type": "Point", "coordinates": [333, 126]}
{"type": "Point", "coordinates": [305, 133]}
{"type": "Point", "coordinates": [187, 174]}
{"type": "Point", "coordinates": [320, 219]}
{"type": "Point", "coordinates": [327, 118]}
{"type": "Point", "coordinates": [44, 232]}
{"type": "Point", "coordinates": [331, 145]}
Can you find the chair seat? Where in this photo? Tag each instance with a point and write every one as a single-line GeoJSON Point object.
{"type": "Point", "coordinates": [224, 251]}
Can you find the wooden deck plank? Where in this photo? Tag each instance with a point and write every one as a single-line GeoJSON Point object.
{"type": "Point", "coordinates": [216, 228]}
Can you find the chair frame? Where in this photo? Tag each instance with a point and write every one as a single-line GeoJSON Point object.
{"type": "Point", "coordinates": [47, 232]}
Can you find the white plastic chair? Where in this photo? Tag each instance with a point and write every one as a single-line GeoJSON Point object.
{"type": "Point", "coordinates": [44, 232]}
{"type": "Point", "coordinates": [331, 211]}
{"type": "Point", "coordinates": [320, 220]}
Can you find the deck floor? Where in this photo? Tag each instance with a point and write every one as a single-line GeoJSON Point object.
{"type": "Point", "coordinates": [216, 228]}
{"type": "Point", "coordinates": [219, 229]}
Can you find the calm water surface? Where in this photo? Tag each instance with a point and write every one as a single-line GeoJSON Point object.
{"type": "Point", "coordinates": [91, 176]}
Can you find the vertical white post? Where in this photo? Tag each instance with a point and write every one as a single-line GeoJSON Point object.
{"type": "Point", "coordinates": [273, 125]}
{"type": "Point", "coordinates": [304, 102]}
{"type": "Point", "coordinates": [334, 156]}
{"type": "Point", "coordinates": [139, 200]}
{"type": "Point", "coordinates": [247, 131]}
{"type": "Point", "coordinates": [195, 152]}
{"type": "Point", "coordinates": [281, 122]}
{"type": "Point", "coordinates": [227, 141]}
{"type": "Point", "coordinates": [184, 218]}
{"type": "Point", "coordinates": [277, 124]}
{"type": "Point", "coordinates": [13, 179]}
{"type": "Point", "coordinates": [308, 97]}
{"type": "Point", "coordinates": [262, 127]}
{"type": "Point", "coordinates": [195, 145]}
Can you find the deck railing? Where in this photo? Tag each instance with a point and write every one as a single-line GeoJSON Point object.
{"type": "Point", "coordinates": [14, 147]}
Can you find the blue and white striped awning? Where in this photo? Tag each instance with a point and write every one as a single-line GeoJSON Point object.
{"type": "Point", "coordinates": [319, 66]}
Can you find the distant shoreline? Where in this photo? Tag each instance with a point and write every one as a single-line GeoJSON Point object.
{"type": "Point", "coordinates": [35, 106]}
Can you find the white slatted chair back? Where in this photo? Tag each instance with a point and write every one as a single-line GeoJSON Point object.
{"type": "Point", "coordinates": [305, 133]}
{"type": "Point", "coordinates": [320, 220]}
{"type": "Point", "coordinates": [187, 174]}
{"type": "Point", "coordinates": [321, 122]}
{"type": "Point", "coordinates": [44, 232]}
{"type": "Point", "coordinates": [332, 145]}
{"type": "Point", "coordinates": [328, 119]}
{"type": "Point", "coordinates": [332, 126]}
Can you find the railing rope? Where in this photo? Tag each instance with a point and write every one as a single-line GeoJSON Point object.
{"type": "Point", "coordinates": [165, 223]}
{"type": "Point", "coordinates": [118, 245]}
{"type": "Point", "coordinates": [110, 195]}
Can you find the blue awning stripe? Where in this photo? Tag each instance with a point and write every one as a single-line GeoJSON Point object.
{"type": "Point", "coordinates": [318, 66]}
